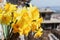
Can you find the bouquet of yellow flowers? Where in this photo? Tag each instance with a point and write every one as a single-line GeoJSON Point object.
{"type": "Point", "coordinates": [21, 20]}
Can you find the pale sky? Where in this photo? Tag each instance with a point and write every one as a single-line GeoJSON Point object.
{"type": "Point", "coordinates": [45, 3]}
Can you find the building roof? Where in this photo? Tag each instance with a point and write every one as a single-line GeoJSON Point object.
{"type": "Point", "coordinates": [46, 10]}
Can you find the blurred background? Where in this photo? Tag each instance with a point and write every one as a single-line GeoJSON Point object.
{"type": "Point", "coordinates": [54, 4]}
{"type": "Point", "coordinates": [50, 11]}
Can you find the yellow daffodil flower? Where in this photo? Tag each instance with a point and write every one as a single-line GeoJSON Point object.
{"type": "Point", "coordinates": [20, 31]}
{"type": "Point", "coordinates": [34, 27]}
{"type": "Point", "coordinates": [15, 27]}
{"type": "Point", "coordinates": [6, 7]}
{"type": "Point", "coordinates": [38, 34]}
{"type": "Point", "coordinates": [24, 19]}
{"type": "Point", "coordinates": [39, 21]}
{"type": "Point", "coordinates": [34, 12]}
{"type": "Point", "coordinates": [26, 30]}
{"type": "Point", "coordinates": [12, 8]}
{"type": "Point", "coordinates": [6, 19]}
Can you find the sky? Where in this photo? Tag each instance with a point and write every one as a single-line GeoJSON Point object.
{"type": "Point", "coordinates": [46, 3]}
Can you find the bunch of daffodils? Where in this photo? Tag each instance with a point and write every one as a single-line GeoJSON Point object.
{"type": "Point", "coordinates": [22, 20]}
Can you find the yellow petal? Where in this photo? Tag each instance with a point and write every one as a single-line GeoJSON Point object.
{"type": "Point", "coordinates": [20, 31]}
{"type": "Point", "coordinates": [12, 8]}
{"type": "Point", "coordinates": [38, 34]}
{"type": "Point", "coordinates": [6, 7]}
{"type": "Point", "coordinates": [0, 17]}
{"type": "Point", "coordinates": [1, 10]}
{"type": "Point", "coordinates": [27, 30]}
